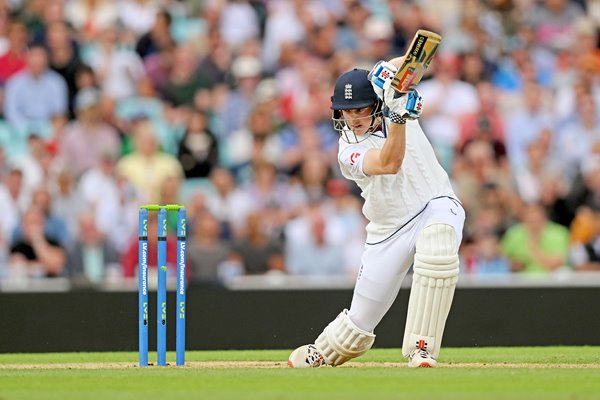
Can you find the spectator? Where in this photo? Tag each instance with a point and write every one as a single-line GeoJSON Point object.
{"type": "Point", "coordinates": [228, 203]}
{"type": "Point", "coordinates": [215, 64]}
{"type": "Point", "coordinates": [91, 17]}
{"type": "Point", "coordinates": [585, 249]}
{"type": "Point", "coordinates": [85, 78]}
{"type": "Point", "coordinates": [312, 178]}
{"type": "Point", "coordinates": [351, 26]}
{"type": "Point", "coordinates": [92, 257]}
{"type": "Point", "coordinates": [491, 220]}
{"type": "Point", "coordinates": [234, 112]}
{"type": "Point", "coordinates": [378, 31]}
{"type": "Point", "coordinates": [447, 100]}
{"type": "Point", "coordinates": [525, 124]}
{"type": "Point", "coordinates": [4, 250]}
{"type": "Point", "coordinates": [536, 245]}
{"type": "Point", "coordinates": [138, 16]}
{"type": "Point", "coordinates": [258, 252]}
{"type": "Point", "coordinates": [15, 58]}
{"type": "Point", "coordinates": [477, 170]}
{"type": "Point", "coordinates": [272, 197]}
{"type": "Point", "coordinates": [577, 137]}
{"type": "Point", "coordinates": [199, 149]}
{"type": "Point", "coordinates": [283, 25]}
{"type": "Point", "coordinates": [538, 171]}
{"type": "Point", "coordinates": [580, 75]}
{"type": "Point", "coordinates": [35, 164]}
{"type": "Point", "coordinates": [88, 137]}
{"type": "Point", "coordinates": [207, 252]}
{"type": "Point", "coordinates": [257, 140]}
{"type": "Point", "coordinates": [309, 249]}
{"type": "Point", "coordinates": [553, 22]}
{"type": "Point", "coordinates": [113, 200]}
{"type": "Point", "coordinates": [12, 202]}
{"type": "Point", "coordinates": [195, 206]}
{"type": "Point", "coordinates": [67, 203]}
{"type": "Point", "coordinates": [158, 38]}
{"type": "Point", "coordinates": [487, 257]}
{"type": "Point", "coordinates": [269, 100]}
{"type": "Point", "coordinates": [523, 64]}
{"type": "Point", "coordinates": [5, 167]}
{"type": "Point", "coordinates": [322, 40]}
{"type": "Point", "coordinates": [343, 211]}
{"type": "Point", "coordinates": [484, 124]}
{"type": "Point", "coordinates": [54, 226]}
{"type": "Point", "coordinates": [303, 91]}
{"type": "Point", "coordinates": [168, 122]}
{"type": "Point", "coordinates": [5, 10]}
{"type": "Point", "coordinates": [475, 69]}
{"type": "Point", "coordinates": [147, 167]}
{"type": "Point", "coordinates": [306, 135]}
{"type": "Point", "coordinates": [40, 15]}
{"type": "Point", "coordinates": [36, 254]}
{"type": "Point", "coordinates": [585, 188]}
{"type": "Point", "coordinates": [583, 227]}
{"type": "Point", "coordinates": [238, 22]}
{"type": "Point", "coordinates": [158, 67]}
{"type": "Point", "coordinates": [118, 69]}
{"type": "Point", "coordinates": [64, 57]}
{"type": "Point", "coordinates": [408, 17]}
{"type": "Point", "coordinates": [184, 78]}
{"type": "Point", "coordinates": [36, 94]}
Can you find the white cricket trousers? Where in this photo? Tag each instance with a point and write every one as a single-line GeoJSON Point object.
{"type": "Point", "coordinates": [384, 264]}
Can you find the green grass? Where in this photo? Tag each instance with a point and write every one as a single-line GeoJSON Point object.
{"type": "Point", "coordinates": [531, 381]}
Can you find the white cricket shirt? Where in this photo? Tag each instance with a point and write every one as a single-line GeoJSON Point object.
{"type": "Point", "coordinates": [392, 200]}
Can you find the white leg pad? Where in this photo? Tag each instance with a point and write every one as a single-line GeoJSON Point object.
{"type": "Point", "coordinates": [341, 340]}
{"type": "Point", "coordinates": [434, 280]}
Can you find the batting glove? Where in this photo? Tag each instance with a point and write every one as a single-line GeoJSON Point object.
{"type": "Point", "coordinates": [400, 107]}
{"type": "Point", "coordinates": [381, 77]}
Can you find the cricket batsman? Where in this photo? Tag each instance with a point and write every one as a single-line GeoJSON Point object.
{"type": "Point", "coordinates": [414, 219]}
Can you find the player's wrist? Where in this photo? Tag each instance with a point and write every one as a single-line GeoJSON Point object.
{"type": "Point", "coordinates": [396, 118]}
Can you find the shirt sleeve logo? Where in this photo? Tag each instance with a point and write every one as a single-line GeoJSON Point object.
{"type": "Point", "coordinates": [354, 158]}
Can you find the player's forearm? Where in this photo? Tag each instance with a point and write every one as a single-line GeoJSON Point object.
{"type": "Point", "coordinates": [392, 152]}
{"type": "Point", "coordinates": [398, 108]}
{"type": "Point", "coordinates": [388, 159]}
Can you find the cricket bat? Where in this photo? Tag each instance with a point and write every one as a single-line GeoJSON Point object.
{"type": "Point", "coordinates": [416, 60]}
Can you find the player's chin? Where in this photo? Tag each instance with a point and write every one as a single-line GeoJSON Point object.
{"type": "Point", "coordinates": [360, 130]}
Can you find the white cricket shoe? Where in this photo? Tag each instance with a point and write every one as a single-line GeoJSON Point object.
{"type": "Point", "coordinates": [307, 356]}
{"type": "Point", "coordinates": [420, 358]}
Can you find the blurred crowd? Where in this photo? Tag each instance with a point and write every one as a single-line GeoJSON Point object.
{"type": "Point", "coordinates": [223, 106]}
